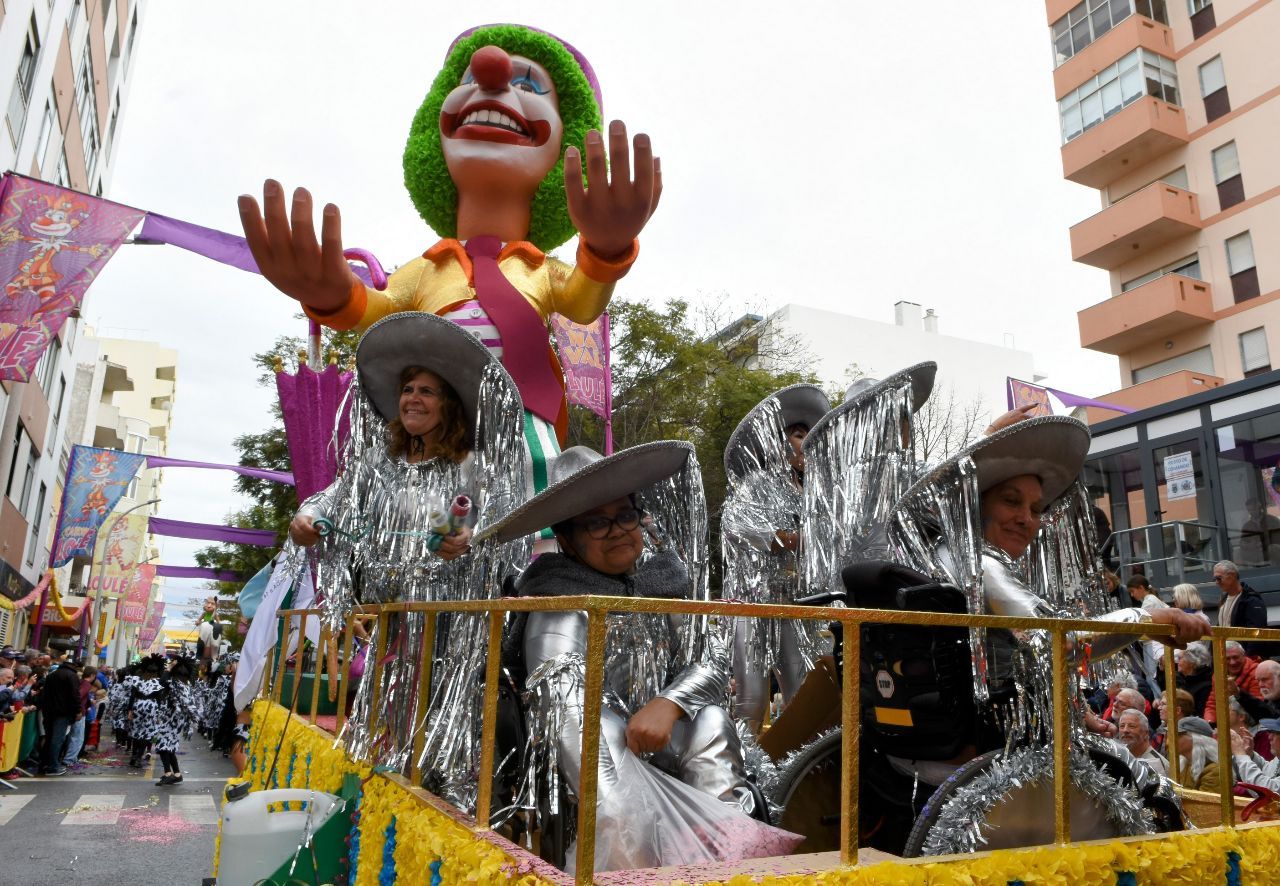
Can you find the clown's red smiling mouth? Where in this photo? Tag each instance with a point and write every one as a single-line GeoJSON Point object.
{"type": "Point", "coordinates": [493, 121]}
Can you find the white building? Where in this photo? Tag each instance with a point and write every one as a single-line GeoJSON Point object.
{"type": "Point", "coordinates": [844, 346]}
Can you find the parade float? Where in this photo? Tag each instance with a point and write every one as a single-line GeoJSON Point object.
{"type": "Point", "coordinates": [382, 746]}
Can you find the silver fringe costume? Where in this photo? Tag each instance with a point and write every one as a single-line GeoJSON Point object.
{"type": "Point", "coordinates": [695, 808]}
{"type": "Point", "coordinates": [764, 499]}
{"type": "Point", "coordinates": [937, 529]}
{"type": "Point", "coordinates": [859, 460]}
{"type": "Point", "coordinates": [378, 552]}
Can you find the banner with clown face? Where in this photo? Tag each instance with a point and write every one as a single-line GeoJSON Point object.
{"type": "Point", "coordinates": [53, 244]}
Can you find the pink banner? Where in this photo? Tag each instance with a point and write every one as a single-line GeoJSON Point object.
{"type": "Point", "coordinates": [584, 356]}
{"type": "Point", "coordinates": [133, 605]}
{"type": "Point", "coordinates": [53, 244]}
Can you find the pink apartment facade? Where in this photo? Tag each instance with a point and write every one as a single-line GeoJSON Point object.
{"type": "Point", "coordinates": [1171, 109]}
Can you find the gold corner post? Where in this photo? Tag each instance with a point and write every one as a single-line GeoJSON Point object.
{"type": "Point", "coordinates": [1061, 740]}
{"type": "Point", "coordinates": [1171, 714]}
{"type": "Point", "coordinates": [591, 704]}
{"type": "Point", "coordinates": [1222, 712]}
{"type": "Point", "coordinates": [850, 707]}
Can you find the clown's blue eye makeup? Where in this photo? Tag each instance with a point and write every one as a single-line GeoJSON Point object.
{"type": "Point", "coordinates": [530, 82]}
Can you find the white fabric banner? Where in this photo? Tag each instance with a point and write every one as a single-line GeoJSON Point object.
{"type": "Point", "coordinates": [261, 636]}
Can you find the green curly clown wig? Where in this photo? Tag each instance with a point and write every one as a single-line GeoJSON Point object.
{"type": "Point", "coordinates": [427, 177]}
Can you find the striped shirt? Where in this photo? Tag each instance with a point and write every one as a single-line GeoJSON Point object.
{"type": "Point", "coordinates": [472, 317]}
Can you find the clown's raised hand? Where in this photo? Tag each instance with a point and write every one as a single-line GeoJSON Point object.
{"type": "Point", "coordinates": [612, 210]}
{"type": "Point", "coordinates": [285, 248]}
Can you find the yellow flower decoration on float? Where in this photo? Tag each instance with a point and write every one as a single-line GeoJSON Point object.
{"type": "Point", "coordinates": [425, 834]}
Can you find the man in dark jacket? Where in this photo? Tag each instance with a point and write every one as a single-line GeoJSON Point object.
{"type": "Point", "coordinates": [59, 704]}
{"type": "Point", "coordinates": [1241, 607]}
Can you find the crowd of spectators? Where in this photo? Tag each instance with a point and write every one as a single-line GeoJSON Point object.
{"type": "Point", "coordinates": [1131, 708]}
{"type": "Point", "coordinates": [67, 700]}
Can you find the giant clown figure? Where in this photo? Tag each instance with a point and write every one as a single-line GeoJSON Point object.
{"type": "Point", "coordinates": [494, 164]}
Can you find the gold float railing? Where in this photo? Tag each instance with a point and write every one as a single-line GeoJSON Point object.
{"type": "Point", "coordinates": [598, 608]}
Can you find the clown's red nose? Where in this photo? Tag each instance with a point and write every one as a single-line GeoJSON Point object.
{"type": "Point", "coordinates": [491, 67]}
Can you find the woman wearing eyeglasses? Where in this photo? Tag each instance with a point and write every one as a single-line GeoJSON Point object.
{"type": "Point", "coordinates": [670, 764]}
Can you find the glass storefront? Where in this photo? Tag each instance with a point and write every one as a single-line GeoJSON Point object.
{"type": "Point", "coordinates": [1249, 474]}
{"type": "Point", "coordinates": [1193, 483]}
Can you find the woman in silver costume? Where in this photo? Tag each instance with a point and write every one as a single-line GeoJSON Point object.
{"type": "Point", "coordinates": [435, 422]}
{"type": "Point", "coordinates": [633, 524]}
{"type": "Point", "coordinates": [760, 540]}
{"type": "Point", "coordinates": [976, 522]}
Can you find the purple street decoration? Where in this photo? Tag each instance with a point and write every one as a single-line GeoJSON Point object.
{"type": "Point", "coordinates": [155, 620]}
{"type": "Point", "coordinates": [164, 461]}
{"type": "Point", "coordinates": [584, 356]}
{"type": "Point", "coordinates": [1022, 393]}
{"type": "Point", "coordinates": [310, 401]}
{"type": "Point", "coordinates": [53, 244]}
{"type": "Point", "coordinates": [263, 538]}
{"type": "Point", "coordinates": [96, 480]}
{"type": "Point", "coordinates": [197, 572]}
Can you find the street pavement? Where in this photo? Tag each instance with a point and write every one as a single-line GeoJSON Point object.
{"type": "Point", "coordinates": [109, 824]}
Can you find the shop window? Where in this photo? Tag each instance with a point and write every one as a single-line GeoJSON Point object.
{"type": "Point", "coordinates": [1250, 493]}
{"type": "Point", "coordinates": [1115, 485]}
{"type": "Point", "coordinates": [1242, 268]}
{"type": "Point", "coordinates": [1255, 357]}
{"type": "Point", "coordinates": [1226, 174]}
{"type": "Point", "coordinates": [1213, 88]}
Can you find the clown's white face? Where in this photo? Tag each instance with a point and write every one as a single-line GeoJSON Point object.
{"type": "Point", "coordinates": [500, 127]}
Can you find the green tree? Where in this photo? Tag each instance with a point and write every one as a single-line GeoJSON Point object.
{"type": "Point", "coordinates": [678, 375]}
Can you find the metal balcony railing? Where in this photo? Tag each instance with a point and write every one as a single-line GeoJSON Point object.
{"type": "Point", "coordinates": [598, 608]}
{"type": "Point", "coordinates": [1194, 546]}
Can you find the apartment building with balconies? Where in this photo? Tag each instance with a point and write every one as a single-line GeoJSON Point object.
{"type": "Point", "coordinates": [65, 76]}
{"type": "Point", "coordinates": [1171, 110]}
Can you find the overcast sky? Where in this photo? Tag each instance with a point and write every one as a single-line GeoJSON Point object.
{"type": "Point", "coordinates": [838, 155]}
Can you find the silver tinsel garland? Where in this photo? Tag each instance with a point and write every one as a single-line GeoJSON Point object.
{"type": "Point", "coordinates": [763, 499]}
{"type": "Point", "coordinates": [960, 824]}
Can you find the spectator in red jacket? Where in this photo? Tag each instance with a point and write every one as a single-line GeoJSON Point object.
{"type": "Point", "coordinates": [1240, 674]}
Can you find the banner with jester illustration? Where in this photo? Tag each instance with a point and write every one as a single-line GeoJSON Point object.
{"type": "Point", "coordinates": [96, 481]}
{"type": "Point", "coordinates": [118, 553]}
{"type": "Point", "coordinates": [53, 244]}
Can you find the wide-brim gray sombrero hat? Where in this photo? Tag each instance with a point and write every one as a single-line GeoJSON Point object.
{"type": "Point", "coordinates": [1052, 448]}
{"type": "Point", "coordinates": [583, 479]}
{"type": "Point", "coordinates": [801, 404]}
{"type": "Point", "coordinates": [921, 376]}
{"type": "Point", "coordinates": [415, 338]}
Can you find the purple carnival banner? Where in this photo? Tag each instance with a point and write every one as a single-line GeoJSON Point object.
{"type": "Point", "coordinates": [198, 572]}
{"type": "Point", "coordinates": [96, 480]}
{"type": "Point", "coordinates": [1022, 393]}
{"type": "Point", "coordinates": [263, 538]}
{"type": "Point", "coordinates": [53, 244]}
{"type": "Point", "coordinates": [585, 359]}
{"type": "Point", "coordinates": [163, 461]}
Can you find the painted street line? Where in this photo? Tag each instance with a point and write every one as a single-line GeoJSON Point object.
{"type": "Point", "coordinates": [12, 805]}
{"type": "Point", "coordinates": [194, 808]}
{"type": "Point", "coordinates": [93, 809]}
